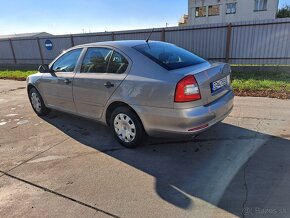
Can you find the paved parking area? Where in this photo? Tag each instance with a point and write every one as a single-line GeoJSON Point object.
{"type": "Point", "coordinates": [65, 166]}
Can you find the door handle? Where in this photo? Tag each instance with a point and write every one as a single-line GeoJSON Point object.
{"type": "Point", "coordinates": [67, 81]}
{"type": "Point", "coordinates": [109, 85]}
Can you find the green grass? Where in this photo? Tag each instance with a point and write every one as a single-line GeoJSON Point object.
{"type": "Point", "coordinates": [261, 81]}
{"type": "Point", "coordinates": [260, 65]}
{"type": "Point", "coordinates": [15, 74]}
{"type": "Point", "coordinates": [257, 81]}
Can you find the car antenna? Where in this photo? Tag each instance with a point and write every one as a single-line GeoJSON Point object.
{"type": "Point", "coordinates": [147, 40]}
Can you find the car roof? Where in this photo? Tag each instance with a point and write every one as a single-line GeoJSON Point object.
{"type": "Point", "coordinates": [118, 44]}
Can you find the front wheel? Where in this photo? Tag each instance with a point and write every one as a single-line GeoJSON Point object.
{"type": "Point", "coordinates": [126, 127]}
{"type": "Point", "coordinates": [37, 102]}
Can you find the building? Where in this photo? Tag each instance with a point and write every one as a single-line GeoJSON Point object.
{"type": "Point", "coordinates": [226, 11]}
{"type": "Point", "coordinates": [183, 20]}
{"type": "Point", "coordinates": [25, 35]}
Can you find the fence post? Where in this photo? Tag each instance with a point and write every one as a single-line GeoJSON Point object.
{"type": "Point", "coordinates": [13, 52]}
{"type": "Point", "coordinates": [40, 51]}
{"type": "Point", "coordinates": [113, 36]}
{"type": "Point", "coordinates": [228, 42]}
{"type": "Point", "coordinates": [72, 40]}
{"type": "Point", "coordinates": [163, 35]}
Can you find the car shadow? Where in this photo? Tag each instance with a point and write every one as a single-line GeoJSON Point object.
{"type": "Point", "coordinates": [233, 168]}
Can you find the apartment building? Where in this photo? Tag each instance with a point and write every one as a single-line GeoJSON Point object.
{"type": "Point", "coordinates": [226, 11]}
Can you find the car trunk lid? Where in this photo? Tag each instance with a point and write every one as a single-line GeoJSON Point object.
{"type": "Point", "coordinates": [213, 81]}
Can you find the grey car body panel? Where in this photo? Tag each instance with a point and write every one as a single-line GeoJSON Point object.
{"type": "Point", "coordinates": [55, 93]}
{"type": "Point", "coordinates": [172, 122]}
{"type": "Point", "coordinates": [146, 87]}
{"type": "Point", "coordinates": [90, 94]}
{"type": "Point", "coordinates": [58, 94]}
{"type": "Point", "coordinates": [205, 74]}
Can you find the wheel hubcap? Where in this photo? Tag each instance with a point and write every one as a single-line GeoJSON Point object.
{"type": "Point", "coordinates": [35, 100]}
{"type": "Point", "coordinates": [125, 127]}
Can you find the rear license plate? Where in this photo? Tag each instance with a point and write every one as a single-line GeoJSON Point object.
{"type": "Point", "coordinates": [217, 85]}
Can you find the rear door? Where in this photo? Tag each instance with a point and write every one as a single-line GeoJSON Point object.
{"type": "Point", "coordinates": [101, 72]}
{"type": "Point", "coordinates": [56, 87]}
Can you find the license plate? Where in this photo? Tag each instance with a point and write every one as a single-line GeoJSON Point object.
{"type": "Point", "coordinates": [217, 85]}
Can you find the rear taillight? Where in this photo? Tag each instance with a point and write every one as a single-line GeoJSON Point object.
{"type": "Point", "coordinates": [187, 90]}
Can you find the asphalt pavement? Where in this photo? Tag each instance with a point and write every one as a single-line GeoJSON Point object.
{"type": "Point", "coordinates": [66, 166]}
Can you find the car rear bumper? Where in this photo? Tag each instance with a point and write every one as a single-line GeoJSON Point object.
{"type": "Point", "coordinates": [165, 122]}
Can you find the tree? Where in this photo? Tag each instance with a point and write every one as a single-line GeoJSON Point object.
{"type": "Point", "coordinates": [284, 12]}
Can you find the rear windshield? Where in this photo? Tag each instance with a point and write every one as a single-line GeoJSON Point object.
{"type": "Point", "coordinates": [169, 56]}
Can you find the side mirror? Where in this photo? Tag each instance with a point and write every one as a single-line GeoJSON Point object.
{"type": "Point", "coordinates": [44, 68]}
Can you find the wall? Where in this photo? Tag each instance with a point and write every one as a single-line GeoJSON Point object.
{"type": "Point", "coordinates": [244, 11]}
{"type": "Point", "coordinates": [254, 42]}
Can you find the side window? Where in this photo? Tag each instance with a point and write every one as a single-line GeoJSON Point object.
{"type": "Point", "coordinates": [231, 8]}
{"type": "Point", "coordinates": [200, 11]}
{"type": "Point", "coordinates": [118, 64]}
{"type": "Point", "coordinates": [67, 62]}
{"type": "Point", "coordinates": [260, 5]}
{"type": "Point", "coordinates": [213, 10]}
{"type": "Point", "coordinates": [96, 60]}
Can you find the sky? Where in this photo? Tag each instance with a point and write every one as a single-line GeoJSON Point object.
{"type": "Point", "coordinates": [78, 16]}
{"type": "Point", "coordinates": [284, 2]}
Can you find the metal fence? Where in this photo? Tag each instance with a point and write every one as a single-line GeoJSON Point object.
{"type": "Point", "coordinates": [254, 42]}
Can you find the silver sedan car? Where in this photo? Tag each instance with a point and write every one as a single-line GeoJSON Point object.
{"type": "Point", "coordinates": [135, 87]}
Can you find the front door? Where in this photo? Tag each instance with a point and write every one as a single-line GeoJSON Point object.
{"type": "Point", "coordinates": [57, 86]}
{"type": "Point", "coordinates": [102, 71]}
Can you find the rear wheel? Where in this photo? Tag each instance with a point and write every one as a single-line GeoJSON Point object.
{"type": "Point", "coordinates": [126, 127]}
{"type": "Point", "coordinates": [37, 102]}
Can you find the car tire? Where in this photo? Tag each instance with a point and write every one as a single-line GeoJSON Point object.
{"type": "Point", "coordinates": [127, 127]}
{"type": "Point", "coordinates": [37, 103]}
